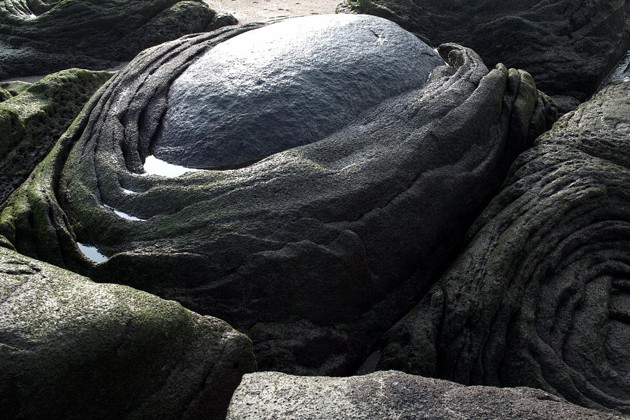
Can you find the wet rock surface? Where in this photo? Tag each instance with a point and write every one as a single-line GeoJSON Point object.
{"type": "Point", "coordinates": [75, 349]}
{"type": "Point", "coordinates": [313, 251]}
{"type": "Point", "coordinates": [567, 46]}
{"type": "Point", "coordinates": [33, 117]}
{"type": "Point", "coordinates": [39, 37]}
{"type": "Point", "coordinates": [540, 297]}
{"type": "Point", "coordinates": [391, 395]}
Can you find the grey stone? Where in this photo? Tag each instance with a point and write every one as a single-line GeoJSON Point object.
{"type": "Point", "coordinates": [251, 96]}
{"type": "Point", "coordinates": [75, 349]}
{"type": "Point", "coordinates": [567, 46]}
{"type": "Point", "coordinates": [39, 37]}
{"type": "Point", "coordinates": [540, 296]}
{"type": "Point", "coordinates": [391, 395]}
{"type": "Point", "coordinates": [314, 251]}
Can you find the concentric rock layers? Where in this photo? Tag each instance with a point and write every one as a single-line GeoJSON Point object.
{"type": "Point", "coordinates": [541, 295]}
{"type": "Point", "coordinates": [74, 349]}
{"type": "Point", "coordinates": [568, 46]}
{"type": "Point", "coordinates": [314, 251]}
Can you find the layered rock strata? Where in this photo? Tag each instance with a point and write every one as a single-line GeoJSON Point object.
{"type": "Point", "coordinates": [42, 36]}
{"type": "Point", "coordinates": [316, 250]}
{"type": "Point", "coordinates": [541, 295]}
{"type": "Point", "coordinates": [75, 349]}
{"type": "Point", "coordinates": [567, 46]}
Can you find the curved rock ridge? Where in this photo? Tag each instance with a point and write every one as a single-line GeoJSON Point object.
{"type": "Point", "coordinates": [391, 395]}
{"type": "Point", "coordinates": [540, 297]}
{"type": "Point", "coordinates": [32, 120]}
{"type": "Point", "coordinates": [39, 37]}
{"type": "Point", "coordinates": [75, 349]}
{"type": "Point", "coordinates": [313, 251]}
{"type": "Point", "coordinates": [281, 86]}
{"type": "Point", "coordinates": [567, 46]}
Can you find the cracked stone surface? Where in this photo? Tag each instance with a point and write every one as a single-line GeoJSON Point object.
{"type": "Point", "coordinates": [313, 251]}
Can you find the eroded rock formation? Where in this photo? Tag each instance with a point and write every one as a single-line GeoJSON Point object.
{"type": "Point", "coordinates": [316, 250]}
{"type": "Point", "coordinates": [568, 46]}
{"type": "Point", "coordinates": [41, 36]}
{"type": "Point", "coordinates": [33, 118]}
{"type": "Point", "coordinates": [541, 295]}
{"type": "Point", "coordinates": [75, 349]}
{"type": "Point", "coordinates": [391, 395]}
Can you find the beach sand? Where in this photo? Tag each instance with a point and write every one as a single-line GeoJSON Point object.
{"type": "Point", "coordinates": [259, 10]}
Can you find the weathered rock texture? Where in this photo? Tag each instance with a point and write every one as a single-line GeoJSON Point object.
{"type": "Point", "coordinates": [314, 251]}
{"type": "Point", "coordinates": [74, 349]}
{"type": "Point", "coordinates": [33, 120]}
{"type": "Point", "coordinates": [391, 395]}
{"type": "Point", "coordinates": [541, 295]}
{"type": "Point", "coordinates": [41, 36]}
{"type": "Point", "coordinates": [568, 46]}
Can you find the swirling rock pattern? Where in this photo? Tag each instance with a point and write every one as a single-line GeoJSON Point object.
{"type": "Point", "coordinates": [541, 297]}
{"type": "Point", "coordinates": [74, 349]}
{"type": "Point", "coordinates": [38, 37]}
{"type": "Point", "coordinates": [568, 46]}
{"type": "Point", "coordinates": [33, 120]}
{"type": "Point", "coordinates": [313, 251]}
{"type": "Point", "coordinates": [391, 395]}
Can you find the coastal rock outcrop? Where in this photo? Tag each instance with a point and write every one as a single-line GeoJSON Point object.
{"type": "Point", "coordinates": [33, 118]}
{"type": "Point", "coordinates": [391, 395]}
{"type": "Point", "coordinates": [313, 251]}
{"type": "Point", "coordinates": [39, 37]}
{"type": "Point", "coordinates": [567, 46]}
{"type": "Point", "coordinates": [541, 295]}
{"type": "Point", "coordinates": [75, 349]}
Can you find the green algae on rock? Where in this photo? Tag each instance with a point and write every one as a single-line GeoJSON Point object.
{"type": "Point", "coordinates": [313, 251]}
{"type": "Point", "coordinates": [541, 295]}
{"type": "Point", "coordinates": [75, 349]}
{"type": "Point", "coordinates": [33, 119]}
{"type": "Point", "coordinates": [40, 37]}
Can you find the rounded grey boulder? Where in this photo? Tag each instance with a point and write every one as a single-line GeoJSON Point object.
{"type": "Point", "coordinates": [313, 251]}
{"type": "Point", "coordinates": [254, 95]}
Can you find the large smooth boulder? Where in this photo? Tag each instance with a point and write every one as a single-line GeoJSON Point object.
{"type": "Point", "coordinates": [391, 395]}
{"type": "Point", "coordinates": [316, 250]}
{"type": "Point", "coordinates": [42, 36]}
{"type": "Point", "coordinates": [75, 349]}
{"type": "Point", "coordinates": [34, 118]}
{"type": "Point", "coordinates": [567, 46]}
{"type": "Point", "coordinates": [541, 297]}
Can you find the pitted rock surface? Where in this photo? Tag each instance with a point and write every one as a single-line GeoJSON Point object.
{"type": "Point", "coordinates": [391, 395]}
{"type": "Point", "coordinates": [75, 349]}
{"type": "Point", "coordinates": [286, 85]}
{"type": "Point", "coordinates": [540, 297]}
{"type": "Point", "coordinates": [314, 251]}
{"type": "Point", "coordinates": [39, 37]}
{"type": "Point", "coordinates": [567, 46]}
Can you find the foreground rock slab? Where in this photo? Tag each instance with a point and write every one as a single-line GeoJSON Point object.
{"type": "Point", "coordinates": [39, 37]}
{"type": "Point", "coordinates": [391, 395]}
{"type": "Point", "coordinates": [541, 295]}
{"type": "Point", "coordinates": [75, 349]}
{"type": "Point", "coordinates": [567, 46]}
{"type": "Point", "coordinates": [313, 251]}
{"type": "Point", "coordinates": [33, 118]}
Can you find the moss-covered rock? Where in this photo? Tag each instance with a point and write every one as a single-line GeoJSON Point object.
{"type": "Point", "coordinates": [33, 119]}
{"type": "Point", "coordinates": [314, 251]}
{"type": "Point", "coordinates": [74, 349]}
{"type": "Point", "coordinates": [567, 46]}
{"type": "Point", "coordinates": [40, 37]}
{"type": "Point", "coordinates": [540, 297]}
